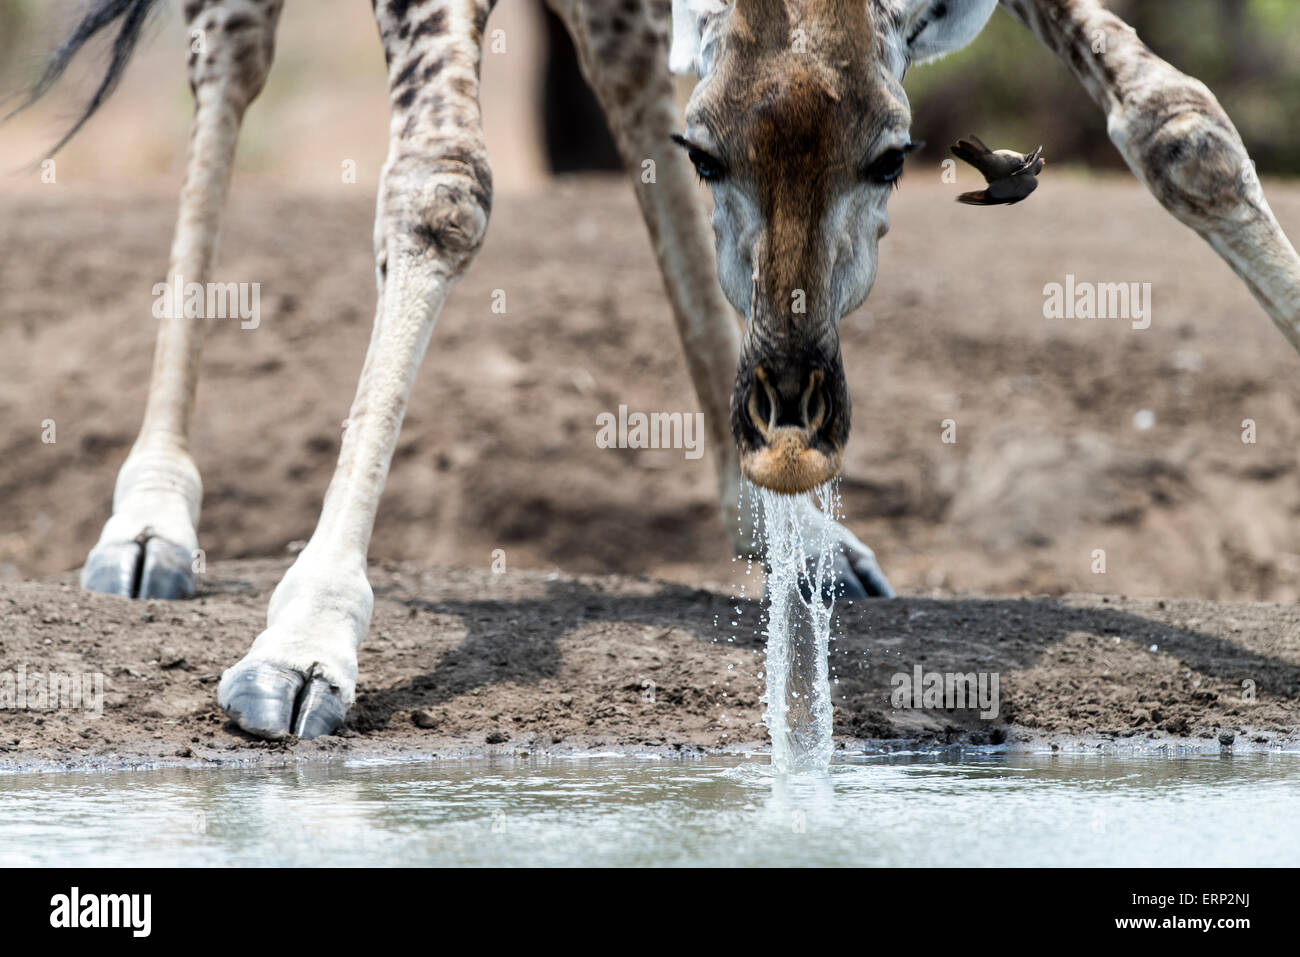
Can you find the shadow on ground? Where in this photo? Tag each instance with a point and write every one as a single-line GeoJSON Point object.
{"type": "Point", "coordinates": [464, 661]}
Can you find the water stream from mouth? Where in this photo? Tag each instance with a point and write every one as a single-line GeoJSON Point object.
{"type": "Point", "coordinates": [797, 532]}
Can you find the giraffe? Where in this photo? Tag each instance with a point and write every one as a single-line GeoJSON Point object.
{"type": "Point", "coordinates": [799, 126]}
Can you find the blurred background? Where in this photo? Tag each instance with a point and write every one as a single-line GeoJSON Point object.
{"type": "Point", "coordinates": [541, 117]}
{"type": "Point", "coordinates": [1246, 51]}
{"type": "Point", "coordinates": [1057, 455]}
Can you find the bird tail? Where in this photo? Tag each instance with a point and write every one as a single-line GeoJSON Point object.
{"type": "Point", "coordinates": [101, 14]}
{"type": "Point", "coordinates": [971, 150]}
{"type": "Point", "coordinates": [978, 198]}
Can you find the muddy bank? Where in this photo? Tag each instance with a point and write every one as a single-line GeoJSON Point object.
{"type": "Point", "coordinates": [464, 662]}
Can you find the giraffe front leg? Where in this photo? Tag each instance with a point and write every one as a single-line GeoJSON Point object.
{"type": "Point", "coordinates": [148, 547]}
{"type": "Point", "coordinates": [300, 675]}
{"type": "Point", "coordinates": [1179, 142]}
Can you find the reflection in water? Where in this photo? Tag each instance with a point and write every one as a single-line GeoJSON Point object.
{"type": "Point", "coordinates": [889, 810]}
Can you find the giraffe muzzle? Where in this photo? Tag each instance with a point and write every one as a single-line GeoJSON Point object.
{"type": "Point", "coordinates": [790, 419]}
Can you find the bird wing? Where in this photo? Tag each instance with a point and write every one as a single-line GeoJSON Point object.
{"type": "Point", "coordinates": [1012, 189]}
{"type": "Point", "coordinates": [1001, 192]}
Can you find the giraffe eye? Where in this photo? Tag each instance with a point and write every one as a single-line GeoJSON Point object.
{"type": "Point", "coordinates": [708, 167]}
{"type": "Point", "coordinates": [886, 167]}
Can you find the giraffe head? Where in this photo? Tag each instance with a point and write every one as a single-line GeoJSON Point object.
{"type": "Point", "coordinates": [800, 127]}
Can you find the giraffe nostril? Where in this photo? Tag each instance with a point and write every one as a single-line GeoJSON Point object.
{"type": "Point", "coordinates": [762, 403]}
{"type": "Point", "coordinates": [815, 406]}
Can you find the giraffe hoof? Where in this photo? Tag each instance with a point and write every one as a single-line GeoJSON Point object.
{"type": "Point", "coordinates": [320, 710]}
{"type": "Point", "coordinates": [144, 568]}
{"type": "Point", "coordinates": [850, 579]}
{"type": "Point", "coordinates": [274, 702]}
{"type": "Point", "coordinates": [865, 573]}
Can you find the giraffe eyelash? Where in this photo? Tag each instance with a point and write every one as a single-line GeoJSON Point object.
{"type": "Point", "coordinates": [888, 167]}
{"type": "Point", "coordinates": [708, 167]}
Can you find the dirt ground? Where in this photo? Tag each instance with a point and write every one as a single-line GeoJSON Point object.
{"type": "Point", "coordinates": [499, 448]}
{"type": "Point", "coordinates": [499, 452]}
{"type": "Point", "coordinates": [467, 662]}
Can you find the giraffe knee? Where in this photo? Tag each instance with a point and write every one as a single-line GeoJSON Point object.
{"type": "Point", "coordinates": [1196, 164]}
{"type": "Point", "coordinates": [453, 222]}
{"type": "Point", "coordinates": [439, 208]}
{"type": "Point", "coordinates": [232, 45]}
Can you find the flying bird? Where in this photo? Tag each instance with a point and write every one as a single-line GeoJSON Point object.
{"type": "Point", "coordinates": [1011, 176]}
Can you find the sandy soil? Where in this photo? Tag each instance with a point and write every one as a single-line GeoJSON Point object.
{"type": "Point", "coordinates": [468, 662]}
{"type": "Point", "coordinates": [499, 453]}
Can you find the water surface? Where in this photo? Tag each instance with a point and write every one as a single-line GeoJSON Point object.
{"type": "Point", "coordinates": [890, 810]}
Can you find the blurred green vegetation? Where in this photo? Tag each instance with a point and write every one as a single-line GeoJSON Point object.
{"type": "Point", "coordinates": [15, 16]}
{"type": "Point", "coordinates": [1010, 91]}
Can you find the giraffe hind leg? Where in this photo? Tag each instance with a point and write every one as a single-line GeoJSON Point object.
{"type": "Point", "coordinates": [149, 547]}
